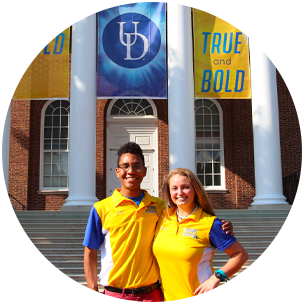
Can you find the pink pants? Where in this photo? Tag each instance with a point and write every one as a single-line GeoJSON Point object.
{"type": "Point", "coordinates": [153, 296]}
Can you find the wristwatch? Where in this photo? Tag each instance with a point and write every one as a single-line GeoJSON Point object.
{"type": "Point", "coordinates": [221, 275]}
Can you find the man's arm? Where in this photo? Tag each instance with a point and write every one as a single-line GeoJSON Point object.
{"type": "Point", "coordinates": [90, 267]}
{"type": "Point", "coordinates": [227, 226]}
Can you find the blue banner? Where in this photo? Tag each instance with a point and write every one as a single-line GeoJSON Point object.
{"type": "Point", "coordinates": [132, 51]}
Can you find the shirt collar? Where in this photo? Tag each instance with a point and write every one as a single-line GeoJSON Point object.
{"type": "Point", "coordinates": [173, 216]}
{"type": "Point", "coordinates": [118, 198]}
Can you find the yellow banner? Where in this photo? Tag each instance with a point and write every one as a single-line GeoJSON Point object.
{"type": "Point", "coordinates": [221, 59]}
{"type": "Point", "coordinates": [41, 57]}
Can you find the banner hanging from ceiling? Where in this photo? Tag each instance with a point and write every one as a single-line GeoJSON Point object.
{"type": "Point", "coordinates": [221, 59]}
{"type": "Point", "coordinates": [132, 51]}
{"type": "Point", "coordinates": [41, 57]}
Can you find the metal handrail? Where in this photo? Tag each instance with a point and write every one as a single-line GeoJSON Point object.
{"type": "Point", "coordinates": [23, 206]}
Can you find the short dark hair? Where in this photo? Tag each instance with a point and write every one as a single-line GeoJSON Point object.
{"type": "Point", "coordinates": [130, 148]}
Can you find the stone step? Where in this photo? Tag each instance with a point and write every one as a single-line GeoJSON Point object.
{"type": "Point", "coordinates": [77, 241]}
{"type": "Point", "coordinates": [267, 250]}
{"type": "Point", "coordinates": [80, 225]}
{"type": "Point", "coordinates": [244, 220]}
{"type": "Point", "coordinates": [51, 240]}
{"type": "Point", "coordinates": [218, 262]}
{"type": "Point", "coordinates": [269, 269]}
{"type": "Point", "coordinates": [64, 277]}
{"type": "Point", "coordinates": [45, 264]}
{"type": "Point", "coordinates": [270, 239]}
{"type": "Point", "coordinates": [23, 236]}
{"type": "Point", "coordinates": [42, 253]}
{"type": "Point", "coordinates": [78, 261]}
{"type": "Point", "coordinates": [273, 276]}
{"type": "Point", "coordinates": [240, 275]}
{"type": "Point", "coordinates": [59, 217]}
{"type": "Point", "coordinates": [26, 258]}
{"type": "Point", "coordinates": [42, 245]}
{"type": "Point", "coordinates": [47, 270]}
{"type": "Point", "coordinates": [56, 234]}
{"type": "Point", "coordinates": [240, 221]}
{"type": "Point", "coordinates": [78, 249]}
{"type": "Point", "coordinates": [85, 210]}
{"type": "Point", "coordinates": [77, 270]}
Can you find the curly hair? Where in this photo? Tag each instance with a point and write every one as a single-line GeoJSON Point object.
{"type": "Point", "coordinates": [130, 148]}
{"type": "Point", "coordinates": [201, 197]}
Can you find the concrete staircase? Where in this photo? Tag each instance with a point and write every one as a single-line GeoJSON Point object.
{"type": "Point", "coordinates": [42, 253]}
{"type": "Point", "coordinates": [274, 242]}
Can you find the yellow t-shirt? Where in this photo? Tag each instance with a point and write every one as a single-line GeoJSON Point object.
{"type": "Point", "coordinates": [127, 233]}
{"type": "Point", "coordinates": [183, 252]}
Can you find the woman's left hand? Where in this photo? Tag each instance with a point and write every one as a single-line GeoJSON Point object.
{"type": "Point", "coordinates": [208, 285]}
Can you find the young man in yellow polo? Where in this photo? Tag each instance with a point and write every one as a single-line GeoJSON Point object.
{"type": "Point", "coordinates": [123, 226]}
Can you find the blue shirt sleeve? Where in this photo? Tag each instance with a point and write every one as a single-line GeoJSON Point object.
{"type": "Point", "coordinates": [218, 238]}
{"type": "Point", "coordinates": [93, 235]}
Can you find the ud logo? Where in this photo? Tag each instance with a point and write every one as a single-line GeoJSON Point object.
{"type": "Point", "coordinates": [131, 40]}
{"type": "Point", "coordinates": [151, 209]}
{"type": "Point", "coordinates": [128, 43]}
{"type": "Point", "coordinates": [190, 232]}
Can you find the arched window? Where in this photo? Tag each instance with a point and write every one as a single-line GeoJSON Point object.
{"type": "Point", "coordinates": [209, 144]}
{"type": "Point", "coordinates": [132, 107]}
{"type": "Point", "coordinates": [55, 146]}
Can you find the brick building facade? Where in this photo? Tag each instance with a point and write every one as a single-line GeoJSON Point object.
{"type": "Point", "coordinates": [25, 145]}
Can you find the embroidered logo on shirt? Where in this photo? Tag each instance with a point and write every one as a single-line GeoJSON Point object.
{"type": "Point", "coordinates": [151, 209]}
{"type": "Point", "coordinates": [163, 228]}
{"type": "Point", "coordinates": [190, 232]}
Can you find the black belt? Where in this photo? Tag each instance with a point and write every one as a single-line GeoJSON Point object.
{"type": "Point", "coordinates": [140, 290]}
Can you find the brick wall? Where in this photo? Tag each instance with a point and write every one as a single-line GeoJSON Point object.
{"type": "Point", "coordinates": [238, 135]}
{"type": "Point", "coordinates": [101, 111]}
{"type": "Point", "coordinates": [19, 154]}
{"type": "Point", "coordinates": [163, 151]}
{"type": "Point", "coordinates": [239, 158]}
{"type": "Point", "coordinates": [288, 36]}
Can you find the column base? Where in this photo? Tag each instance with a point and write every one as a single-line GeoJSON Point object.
{"type": "Point", "coordinates": [282, 207]}
{"type": "Point", "coordinates": [79, 203]}
{"type": "Point", "coordinates": [268, 201]}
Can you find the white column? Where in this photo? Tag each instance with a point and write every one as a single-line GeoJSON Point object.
{"type": "Point", "coordinates": [265, 115]}
{"type": "Point", "coordinates": [181, 114]}
{"type": "Point", "coordinates": [7, 30]}
{"type": "Point", "coordinates": [82, 114]}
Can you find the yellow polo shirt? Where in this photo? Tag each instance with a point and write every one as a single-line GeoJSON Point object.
{"type": "Point", "coordinates": [184, 252]}
{"type": "Point", "coordinates": [125, 233]}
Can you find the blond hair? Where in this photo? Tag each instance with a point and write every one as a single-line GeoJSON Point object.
{"type": "Point", "coordinates": [201, 197]}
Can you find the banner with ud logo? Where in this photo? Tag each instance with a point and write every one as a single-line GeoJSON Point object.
{"type": "Point", "coordinates": [132, 51]}
{"type": "Point", "coordinates": [221, 59]}
{"type": "Point", "coordinates": [41, 57]}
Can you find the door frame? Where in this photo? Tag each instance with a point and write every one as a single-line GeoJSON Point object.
{"type": "Point", "coordinates": [133, 125]}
